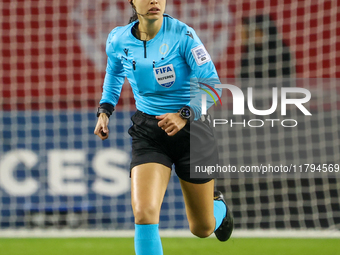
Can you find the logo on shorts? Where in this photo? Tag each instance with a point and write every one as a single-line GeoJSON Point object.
{"type": "Point", "coordinates": [165, 75]}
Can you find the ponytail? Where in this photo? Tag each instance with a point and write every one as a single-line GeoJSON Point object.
{"type": "Point", "coordinates": [134, 16]}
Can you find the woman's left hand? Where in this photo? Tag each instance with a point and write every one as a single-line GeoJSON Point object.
{"type": "Point", "coordinates": [171, 123]}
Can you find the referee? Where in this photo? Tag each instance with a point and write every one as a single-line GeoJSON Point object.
{"type": "Point", "coordinates": [160, 56]}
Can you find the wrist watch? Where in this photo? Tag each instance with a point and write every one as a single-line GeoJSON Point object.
{"type": "Point", "coordinates": [186, 113]}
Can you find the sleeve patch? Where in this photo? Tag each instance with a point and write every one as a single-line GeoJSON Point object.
{"type": "Point", "coordinates": [201, 55]}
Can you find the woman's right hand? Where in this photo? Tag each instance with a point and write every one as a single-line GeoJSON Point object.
{"type": "Point", "coordinates": [101, 129]}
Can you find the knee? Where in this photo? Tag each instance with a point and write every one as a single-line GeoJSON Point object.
{"type": "Point", "coordinates": [146, 214]}
{"type": "Point", "coordinates": [201, 230]}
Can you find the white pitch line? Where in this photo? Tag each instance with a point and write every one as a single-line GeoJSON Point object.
{"type": "Point", "coordinates": [166, 233]}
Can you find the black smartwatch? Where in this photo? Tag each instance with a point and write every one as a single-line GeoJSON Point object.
{"type": "Point", "coordinates": [187, 113]}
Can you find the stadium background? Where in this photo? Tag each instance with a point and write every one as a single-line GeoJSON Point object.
{"type": "Point", "coordinates": [54, 173]}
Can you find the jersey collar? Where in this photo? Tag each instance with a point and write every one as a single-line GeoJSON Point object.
{"type": "Point", "coordinates": [160, 32]}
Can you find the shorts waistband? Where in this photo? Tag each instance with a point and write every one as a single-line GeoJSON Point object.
{"type": "Point", "coordinates": [140, 113]}
{"type": "Point", "coordinates": [204, 118]}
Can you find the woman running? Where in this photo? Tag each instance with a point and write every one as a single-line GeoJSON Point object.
{"type": "Point", "coordinates": [165, 63]}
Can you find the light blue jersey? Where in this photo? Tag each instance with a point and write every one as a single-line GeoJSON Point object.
{"type": "Point", "coordinates": [160, 70]}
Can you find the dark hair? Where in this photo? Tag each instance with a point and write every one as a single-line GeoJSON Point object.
{"type": "Point", "coordinates": [277, 52]}
{"type": "Point", "coordinates": [267, 26]}
{"type": "Point", "coordinates": [134, 16]}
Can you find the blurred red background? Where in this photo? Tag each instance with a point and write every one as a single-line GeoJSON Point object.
{"type": "Point", "coordinates": [53, 52]}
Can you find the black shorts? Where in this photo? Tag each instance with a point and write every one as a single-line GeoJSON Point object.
{"type": "Point", "coordinates": [150, 144]}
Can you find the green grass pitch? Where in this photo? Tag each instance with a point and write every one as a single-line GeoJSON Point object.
{"type": "Point", "coordinates": [171, 246]}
